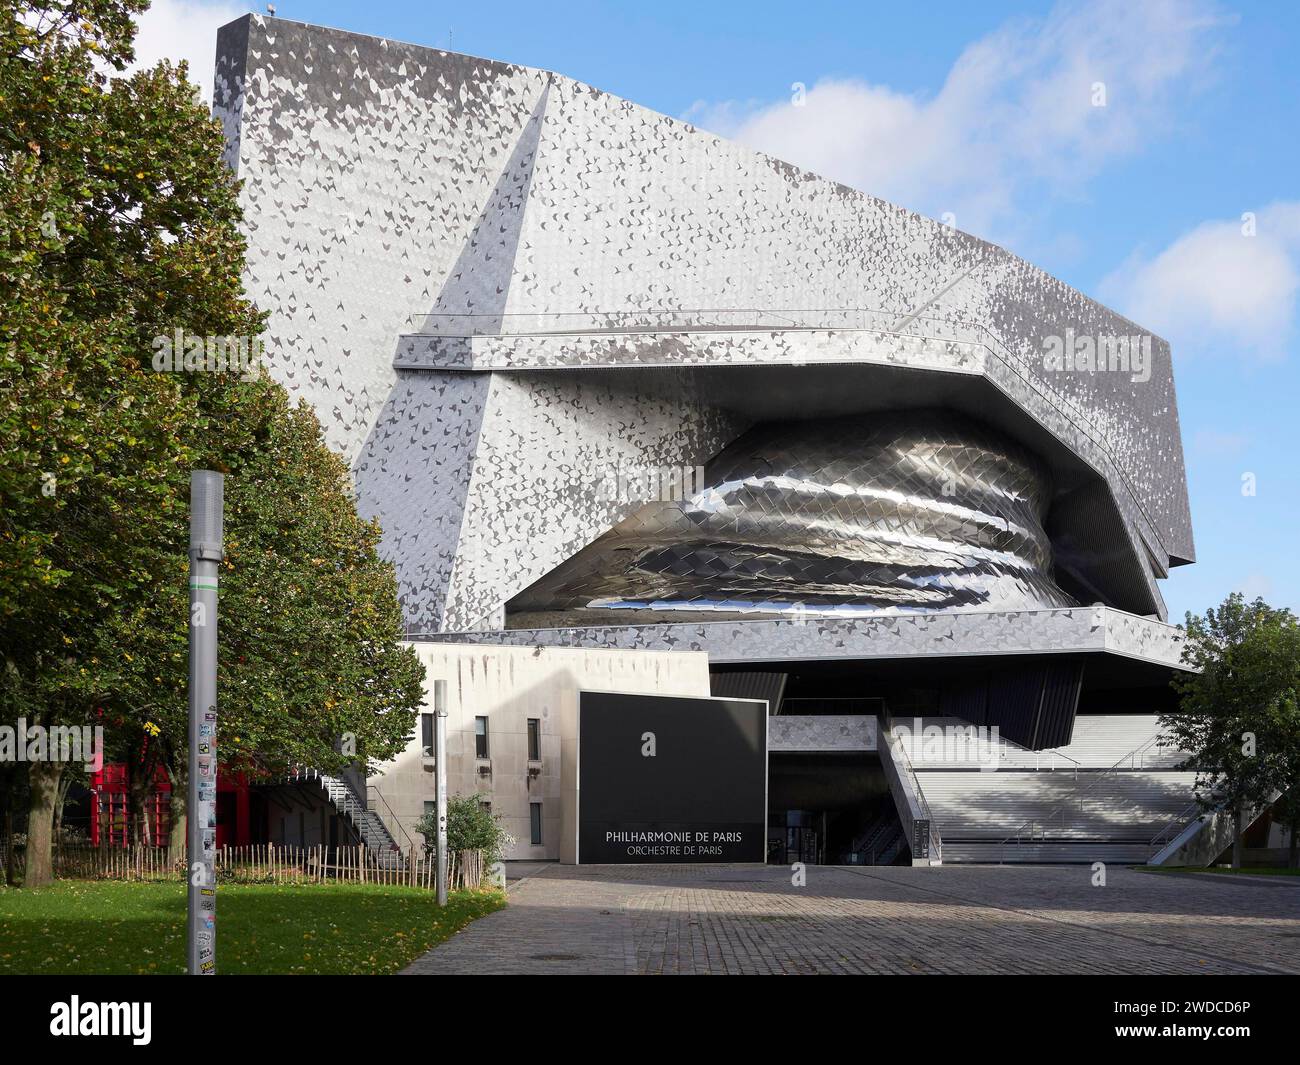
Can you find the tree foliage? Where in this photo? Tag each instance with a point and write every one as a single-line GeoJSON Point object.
{"type": "Point", "coordinates": [1238, 715]}
{"type": "Point", "coordinates": [119, 224]}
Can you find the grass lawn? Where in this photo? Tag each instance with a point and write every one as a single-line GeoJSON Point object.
{"type": "Point", "coordinates": [1248, 870]}
{"type": "Point", "coordinates": [114, 928]}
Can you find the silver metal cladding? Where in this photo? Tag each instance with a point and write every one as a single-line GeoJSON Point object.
{"type": "Point", "coordinates": [911, 511]}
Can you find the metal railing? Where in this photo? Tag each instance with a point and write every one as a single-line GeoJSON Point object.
{"type": "Point", "coordinates": [347, 800]}
{"type": "Point", "coordinates": [379, 807]}
{"type": "Point", "coordinates": [340, 793]}
{"type": "Point", "coordinates": [1035, 828]}
{"type": "Point", "coordinates": [898, 766]}
{"type": "Point", "coordinates": [1050, 756]}
{"type": "Point", "coordinates": [1175, 825]}
{"type": "Point", "coordinates": [936, 843]}
{"type": "Point", "coordinates": [1220, 817]}
{"type": "Point", "coordinates": [682, 319]}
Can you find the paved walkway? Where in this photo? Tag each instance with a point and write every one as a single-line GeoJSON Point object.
{"type": "Point", "coordinates": [954, 919]}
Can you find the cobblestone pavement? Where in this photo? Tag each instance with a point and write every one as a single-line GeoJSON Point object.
{"type": "Point", "coordinates": [954, 919]}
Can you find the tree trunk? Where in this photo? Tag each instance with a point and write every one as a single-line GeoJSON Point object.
{"type": "Point", "coordinates": [176, 839]}
{"type": "Point", "coordinates": [1238, 816]}
{"type": "Point", "coordinates": [44, 780]}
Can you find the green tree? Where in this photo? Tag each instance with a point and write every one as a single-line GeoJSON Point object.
{"type": "Point", "coordinates": [311, 669]}
{"type": "Point", "coordinates": [87, 441]}
{"type": "Point", "coordinates": [119, 224]}
{"type": "Point", "coordinates": [1238, 716]}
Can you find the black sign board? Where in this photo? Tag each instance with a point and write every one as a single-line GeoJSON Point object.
{"type": "Point", "coordinates": [671, 779]}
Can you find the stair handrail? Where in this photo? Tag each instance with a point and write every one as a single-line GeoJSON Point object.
{"type": "Point", "coordinates": [1051, 753]}
{"type": "Point", "coordinates": [1176, 824]}
{"type": "Point", "coordinates": [1054, 753]}
{"type": "Point", "coordinates": [391, 821]}
{"type": "Point", "coordinates": [1078, 798]}
{"type": "Point", "coordinates": [1221, 808]}
{"type": "Point", "coordinates": [349, 802]}
{"type": "Point", "coordinates": [899, 750]}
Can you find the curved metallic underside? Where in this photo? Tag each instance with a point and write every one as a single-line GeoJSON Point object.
{"type": "Point", "coordinates": [915, 511]}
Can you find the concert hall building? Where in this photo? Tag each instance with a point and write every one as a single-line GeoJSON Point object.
{"type": "Point", "coordinates": [661, 430]}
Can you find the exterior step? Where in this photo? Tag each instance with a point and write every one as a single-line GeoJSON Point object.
{"type": "Point", "coordinates": [1083, 852]}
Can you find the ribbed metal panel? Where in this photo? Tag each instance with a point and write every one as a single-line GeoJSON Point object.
{"type": "Point", "coordinates": [967, 700]}
{"type": "Point", "coordinates": [1032, 705]}
{"type": "Point", "coordinates": [769, 686]}
{"type": "Point", "coordinates": [1062, 682]}
{"type": "Point", "coordinates": [1014, 696]}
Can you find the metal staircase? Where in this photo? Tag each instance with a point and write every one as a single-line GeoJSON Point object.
{"type": "Point", "coordinates": [919, 828]}
{"type": "Point", "coordinates": [347, 800]}
{"type": "Point", "coordinates": [1204, 836]}
{"type": "Point", "coordinates": [880, 843]}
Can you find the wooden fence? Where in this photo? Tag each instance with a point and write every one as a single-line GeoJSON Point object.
{"type": "Point", "coordinates": [268, 863]}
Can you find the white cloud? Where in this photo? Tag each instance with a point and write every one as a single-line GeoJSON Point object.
{"type": "Point", "coordinates": [184, 29]}
{"type": "Point", "coordinates": [1016, 110]}
{"type": "Point", "coordinates": [1220, 287]}
{"type": "Point", "coordinates": [1255, 586]}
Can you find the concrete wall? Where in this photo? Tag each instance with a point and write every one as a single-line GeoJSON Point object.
{"type": "Point", "coordinates": [305, 823]}
{"type": "Point", "coordinates": [509, 685]}
{"type": "Point", "coordinates": [821, 732]}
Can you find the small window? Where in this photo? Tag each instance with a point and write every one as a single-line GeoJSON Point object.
{"type": "Point", "coordinates": [481, 737]}
{"type": "Point", "coordinates": [485, 805]}
{"type": "Point", "coordinates": [535, 822]}
{"type": "Point", "coordinates": [430, 808]}
{"type": "Point", "coordinates": [534, 739]}
{"type": "Point", "coordinates": [426, 735]}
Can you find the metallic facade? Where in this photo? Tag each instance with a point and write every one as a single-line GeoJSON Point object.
{"type": "Point", "coordinates": [497, 286]}
{"type": "Point", "coordinates": [917, 510]}
{"type": "Point", "coordinates": [942, 634]}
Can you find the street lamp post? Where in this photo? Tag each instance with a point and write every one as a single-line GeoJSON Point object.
{"type": "Point", "coordinates": [440, 768]}
{"type": "Point", "coordinates": [206, 500]}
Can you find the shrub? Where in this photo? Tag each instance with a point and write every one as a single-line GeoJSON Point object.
{"type": "Point", "coordinates": [470, 827]}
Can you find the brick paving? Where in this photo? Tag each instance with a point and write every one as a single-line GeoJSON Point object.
{"type": "Point", "coordinates": [953, 919]}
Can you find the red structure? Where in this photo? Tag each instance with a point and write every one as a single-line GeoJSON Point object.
{"type": "Point", "coordinates": [109, 822]}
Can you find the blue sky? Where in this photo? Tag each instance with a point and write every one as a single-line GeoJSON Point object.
{"type": "Point", "coordinates": [983, 110]}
